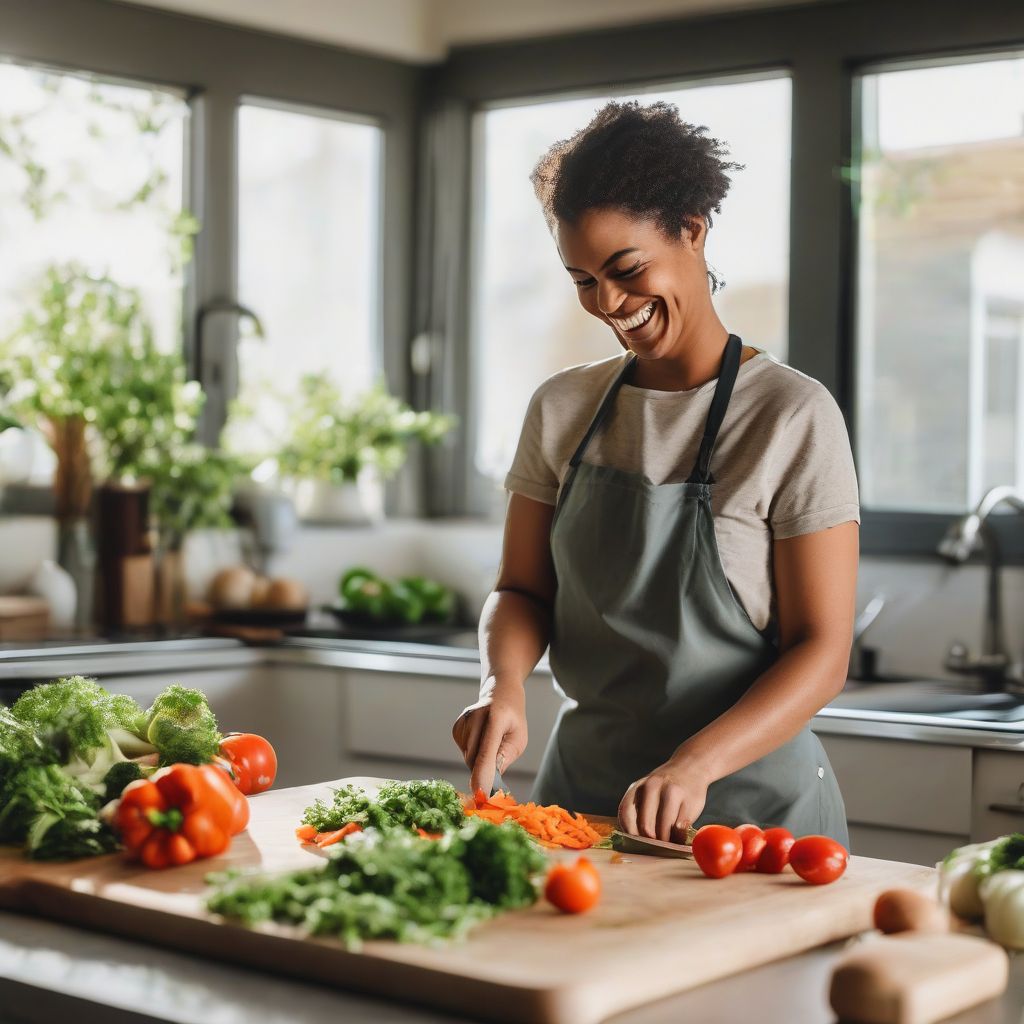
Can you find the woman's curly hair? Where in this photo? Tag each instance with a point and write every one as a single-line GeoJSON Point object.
{"type": "Point", "coordinates": [643, 160]}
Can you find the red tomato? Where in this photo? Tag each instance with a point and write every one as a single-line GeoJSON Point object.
{"type": "Point", "coordinates": [253, 760]}
{"type": "Point", "coordinates": [775, 855]}
{"type": "Point", "coordinates": [573, 888]}
{"type": "Point", "coordinates": [753, 844]}
{"type": "Point", "coordinates": [818, 859]}
{"type": "Point", "coordinates": [717, 849]}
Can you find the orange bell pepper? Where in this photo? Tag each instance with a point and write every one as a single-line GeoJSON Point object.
{"type": "Point", "coordinates": [176, 816]}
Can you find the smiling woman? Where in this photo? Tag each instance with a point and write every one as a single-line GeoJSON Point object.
{"type": "Point", "coordinates": [682, 526]}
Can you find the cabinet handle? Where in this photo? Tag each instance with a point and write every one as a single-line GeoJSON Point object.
{"type": "Point", "coordinates": [1007, 808]}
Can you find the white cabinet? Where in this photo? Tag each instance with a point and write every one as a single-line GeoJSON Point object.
{"type": "Point", "coordinates": [998, 794]}
{"type": "Point", "coordinates": [404, 721]}
{"type": "Point", "coordinates": [905, 800]}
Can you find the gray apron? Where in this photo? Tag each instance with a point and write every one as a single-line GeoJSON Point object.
{"type": "Point", "coordinates": [651, 643]}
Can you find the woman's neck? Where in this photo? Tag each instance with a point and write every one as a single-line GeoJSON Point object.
{"type": "Point", "coordinates": [698, 361]}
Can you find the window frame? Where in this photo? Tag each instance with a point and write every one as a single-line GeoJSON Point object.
{"type": "Point", "coordinates": [823, 48]}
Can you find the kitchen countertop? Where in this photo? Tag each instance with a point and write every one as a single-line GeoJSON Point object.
{"type": "Point", "coordinates": [53, 972]}
{"type": "Point", "coordinates": [458, 659]}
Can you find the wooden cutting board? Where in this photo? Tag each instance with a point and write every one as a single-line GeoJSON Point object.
{"type": "Point", "coordinates": [661, 927]}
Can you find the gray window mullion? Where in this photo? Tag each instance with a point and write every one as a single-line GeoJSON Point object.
{"type": "Point", "coordinates": [215, 274]}
{"type": "Point", "coordinates": [817, 219]}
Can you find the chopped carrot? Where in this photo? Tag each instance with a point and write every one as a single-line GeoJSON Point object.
{"type": "Point", "coordinates": [305, 833]}
{"type": "Point", "coordinates": [551, 825]}
{"type": "Point", "coordinates": [424, 834]}
{"type": "Point", "coordinates": [323, 839]}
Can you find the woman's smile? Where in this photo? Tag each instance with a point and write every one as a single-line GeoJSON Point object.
{"type": "Point", "coordinates": [643, 325]}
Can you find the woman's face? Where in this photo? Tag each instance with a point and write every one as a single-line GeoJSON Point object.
{"type": "Point", "coordinates": [640, 283]}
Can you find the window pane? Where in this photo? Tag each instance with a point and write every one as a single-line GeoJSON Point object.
{"type": "Point", "coordinates": [91, 172]}
{"type": "Point", "coordinates": [308, 244]}
{"type": "Point", "coordinates": [527, 319]}
{"type": "Point", "coordinates": [940, 284]}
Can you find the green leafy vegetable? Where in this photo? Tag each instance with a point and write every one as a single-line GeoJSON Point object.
{"type": "Point", "coordinates": [51, 814]}
{"type": "Point", "coordinates": [119, 776]}
{"type": "Point", "coordinates": [389, 884]}
{"type": "Point", "coordinates": [1006, 855]}
{"type": "Point", "coordinates": [66, 746]}
{"type": "Point", "coordinates": [73, 715]}
{"type": "Point", "coordinates": [430, 804]}
{"type": "Point", "coordinates": [182, 727]}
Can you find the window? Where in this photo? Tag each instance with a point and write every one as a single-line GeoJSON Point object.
{"type": "Point", "coordinates": [940, 283]}
{"type": "Point", "coordinates": [527, 321]}
{"type": "Point", "coordinates": [308, 253]}
{"type": "Point", "coordinates": [91, 173]}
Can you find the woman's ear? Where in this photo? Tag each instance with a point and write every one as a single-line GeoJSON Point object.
{"type": "Point", "coordinates": [695, 232]}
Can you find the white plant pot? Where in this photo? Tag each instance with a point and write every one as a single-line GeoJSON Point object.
{"type": "Point", "coordinates": [356, 503]}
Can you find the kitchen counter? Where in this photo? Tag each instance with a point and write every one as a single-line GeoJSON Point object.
{"type": "Point", "coordinates": [56, 972]}
{"type": "Point", "coordinates": [457, 660]}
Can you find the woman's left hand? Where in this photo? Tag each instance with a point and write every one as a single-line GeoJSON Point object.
{"type": "Point", "coordinates": [665, 803]}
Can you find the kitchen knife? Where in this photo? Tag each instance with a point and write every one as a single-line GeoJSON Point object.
{"type": "Point", "coordinates": [623, 842]}
{"type": "Point", "coordinates": [498, 783]}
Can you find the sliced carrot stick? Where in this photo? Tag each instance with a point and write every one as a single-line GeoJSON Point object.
{"type": "Point", "coordinates": [305, 833]}
{"type": "Point", "coordinates": [324, 839]}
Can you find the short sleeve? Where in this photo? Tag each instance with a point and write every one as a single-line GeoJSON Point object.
{"type": "Point", "coordinates": [531, 473]}
{"type": "Point", "coordinates": [813, 469]}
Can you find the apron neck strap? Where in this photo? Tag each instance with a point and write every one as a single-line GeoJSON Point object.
{"type": "Point", "coordinates": [719, 403]}
{"type": "Point", "coordinates": [603, 410]}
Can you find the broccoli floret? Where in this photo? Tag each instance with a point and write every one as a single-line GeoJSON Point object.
{"type": "Point", "coordinates": [18, 741]}
{"type": "Point", "coordinates": [73, 715]}
{"type": "Point", "coordinates": [119, 776]}
{"type": "Point", "coordinates": [182, 727]}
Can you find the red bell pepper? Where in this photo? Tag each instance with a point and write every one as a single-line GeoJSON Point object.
{"type": "Point", "coordinates": [176, 816]}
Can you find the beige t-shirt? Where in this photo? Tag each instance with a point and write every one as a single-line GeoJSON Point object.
{"type": "Point", "coordinates": [782, 465]}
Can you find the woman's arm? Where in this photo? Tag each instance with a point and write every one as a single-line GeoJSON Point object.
{"type": "Point", "coordinates": [515, 627]}
{"type": "Point", "coordinates": [816, 587]}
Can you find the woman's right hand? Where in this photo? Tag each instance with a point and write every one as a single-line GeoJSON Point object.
{"type": "Point", "coordinates": [492, 732]}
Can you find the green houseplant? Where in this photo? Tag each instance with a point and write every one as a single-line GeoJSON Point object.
{"type": "Point", "coordinates": [83, 368]}
{"type": "Point", "coordinates": [339, 449]}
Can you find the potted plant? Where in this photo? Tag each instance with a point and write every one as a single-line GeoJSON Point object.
{"type": "Point", "coordinates": [338, 452]}
{"type": "Point", "coordinates": [84, 370]}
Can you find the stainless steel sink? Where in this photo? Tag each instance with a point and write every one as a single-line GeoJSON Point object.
{"type": "Point", "coordinates": [932, 698]}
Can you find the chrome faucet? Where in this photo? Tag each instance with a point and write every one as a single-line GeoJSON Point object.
{"type": "Point", "coordinates": [993, 665]}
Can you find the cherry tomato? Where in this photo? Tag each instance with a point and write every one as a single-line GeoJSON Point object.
{"type": "Point", "coordinates": [253, 760]}
{"type": "Point", "coordinates": [775, 855]}
{"type": "Point", "coordinates": [753, 844]}
{"type": "Point", "coordinates": [717, 849]}
{"type": "Point", "coordinates": [573, 888]}
{"type": "Point", "coordinates": [818, 859]}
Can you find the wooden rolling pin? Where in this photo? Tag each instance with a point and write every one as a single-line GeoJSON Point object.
{"type": "Point", "coordinates": [916, 978]}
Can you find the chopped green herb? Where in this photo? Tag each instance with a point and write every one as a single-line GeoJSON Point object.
{"type": "Point", "coordinates": [390, 884]}
{"type": "Point", "coordinates": [433, 805]}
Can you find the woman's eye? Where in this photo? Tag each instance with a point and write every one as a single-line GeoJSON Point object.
{"type": "Point", "coordinates": [633, 270]}
{"type": "Point", "coordinates": [583, 284]}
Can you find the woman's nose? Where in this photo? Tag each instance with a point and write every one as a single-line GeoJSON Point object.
{"type": "Point", "coordinates": [609, 297]}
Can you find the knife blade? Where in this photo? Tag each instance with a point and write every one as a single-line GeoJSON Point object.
{"type": "Point", "coordinates": [623, 842]}
{"type": "Point", "coordinates": [498, 783]}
